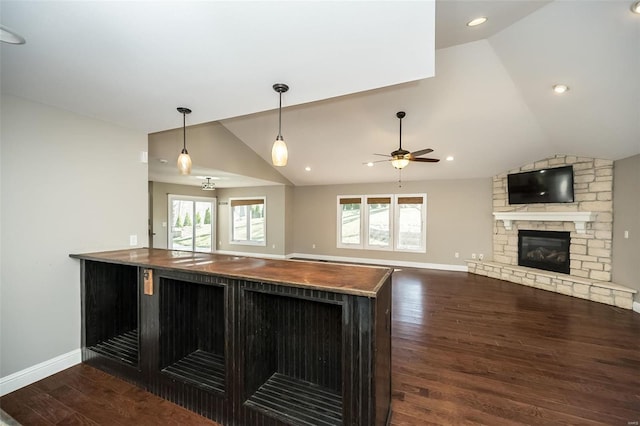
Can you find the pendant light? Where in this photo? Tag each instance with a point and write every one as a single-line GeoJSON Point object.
{"type": "Point", "coordinates": [184, 161]}
{"type": "Point", "coordinates": [279, 154]}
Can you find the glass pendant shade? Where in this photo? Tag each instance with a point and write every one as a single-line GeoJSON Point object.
{"type": "Point", "coordinates": [279, 153]}
{"type": "Point", "coordinates": [399, 162]}
{"type": "Point", "coordinates": [184, 163]}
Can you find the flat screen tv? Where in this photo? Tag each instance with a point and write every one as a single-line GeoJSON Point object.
{"type": "Point", "coordinates": [541, 186]}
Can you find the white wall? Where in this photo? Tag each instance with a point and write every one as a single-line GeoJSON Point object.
{"type": "Point", "coordinates": [70, 184]}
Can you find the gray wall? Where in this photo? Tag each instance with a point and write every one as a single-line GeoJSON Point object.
{"type": "Point", "coordinates": [626, 217]}
{"type": "Point", "coordinates": [458, 219]}
{"type": "Point", "coordinates": [70, 184]}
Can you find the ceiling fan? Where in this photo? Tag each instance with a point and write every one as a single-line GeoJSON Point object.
{"type": "Point", "coordinates": [401, 157]}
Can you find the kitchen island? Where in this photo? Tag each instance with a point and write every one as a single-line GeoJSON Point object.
{"type": "Point", "coordinates": [243, 340]}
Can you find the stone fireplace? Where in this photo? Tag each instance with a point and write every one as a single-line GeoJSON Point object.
{"type": "Point", "coordinates": [588, 222]}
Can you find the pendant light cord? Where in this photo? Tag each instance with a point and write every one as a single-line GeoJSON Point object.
{"type": "Point", "coordinates": [280, 117]}
{"type": "Point", "coordinates": [184, 131]}
{"type": "Point", "coordinates": [401, 133]}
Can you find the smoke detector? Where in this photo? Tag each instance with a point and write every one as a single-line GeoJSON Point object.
{"type": "Point", "coordinates": [208, 185]}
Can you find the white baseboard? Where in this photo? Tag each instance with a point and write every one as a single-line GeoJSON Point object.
{"type": "Point", "coordinates": [407, 264]}
{"type": "Point", "coordinates": [37, 372]}
{"type": "Point", "coordinates": [636, 307]}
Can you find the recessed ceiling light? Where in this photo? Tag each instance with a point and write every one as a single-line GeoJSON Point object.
{"type": "Point", "coordinates": [370, 164]}
{"type": "Point", "coordinates": [450, 158]}
{"type": "Point", "coordinates": [163, 161]}
{"type": "Point", "coordinates": [560, 88]}
{"type": "Point", "coordinates": [308, 168]}
{"type": "Point", "coordinates": [635, 8]}
{"type": "Point", "coordinates": [8, 36]}
{"type": "Point", "coordinates": [478, 21]}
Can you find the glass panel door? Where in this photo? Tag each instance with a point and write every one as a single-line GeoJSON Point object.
{"type": "Point", "coordinates": [192, 222]}
{"type": "Point", "coordinates": [203, 232]}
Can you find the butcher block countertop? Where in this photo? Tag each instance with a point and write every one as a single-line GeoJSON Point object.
{"type": "Point", "coordinates": [340, 278]}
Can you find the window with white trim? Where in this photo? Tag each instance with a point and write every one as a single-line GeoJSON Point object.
{"type": "Point", "coordinates": [350, 222]}
{"type": "Point", "coordinates": [379, 223]}
{"type": "Point", "coordinates": [248, 221]}
{"type": "Point", "coordinates": [382, 222]}
{"type": "Point", "coordinates": [410, 220]}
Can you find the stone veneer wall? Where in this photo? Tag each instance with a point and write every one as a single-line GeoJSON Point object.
{"type": "Point", "coordinates": [590, 253]}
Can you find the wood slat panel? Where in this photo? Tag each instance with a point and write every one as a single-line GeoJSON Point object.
{"type": "Point", "coordinates": [200, 368]}
{"type": "Point", "coordinates": [298, 402]}
{"type": "Point", "coordinates": [123, 347]}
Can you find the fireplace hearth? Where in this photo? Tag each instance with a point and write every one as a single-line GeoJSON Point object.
{"type": "Point", "coordinates": [547, 250]}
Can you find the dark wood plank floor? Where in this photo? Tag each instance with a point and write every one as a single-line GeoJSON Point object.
{"type": "Point", "coordinates": [475, 350]}
{"type": "Point", "coordinates": [466, 350]}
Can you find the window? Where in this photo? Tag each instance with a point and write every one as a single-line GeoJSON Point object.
{"type": "Point", "coordinates": [349, 214]}
{"type": "Point", "coordinates": [410, 219]}
{"type": "Point", "coordinates": [378, 221]}
{"type": "Point", "coordinates": [248, 221]}
{"type": "Point", "coordinates": [192, 223]}
{"type": "Point", "coordinates": [386, 222]}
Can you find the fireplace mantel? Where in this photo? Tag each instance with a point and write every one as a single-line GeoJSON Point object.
{"type": "Point", "coordinates": [580, 219]}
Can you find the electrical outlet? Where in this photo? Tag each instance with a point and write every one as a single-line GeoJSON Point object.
{"type": "Point", "coordinates": [273, 246]}
{"type": "Point", "coordinates": [133, 240]}
{"type": "Point", "coordinates": [456, 255]}
{"type": "Point", "coordinates": [313, 246]}
{"type": "Point", "coordinates": [473, 255]}
{"type": "Point", "coordinates": [626, 234]}
{"type": "Point", "coordinates": [481, 256]}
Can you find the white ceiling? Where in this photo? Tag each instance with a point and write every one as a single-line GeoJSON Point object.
{"type": "Point", "coordinates": [351, 66]}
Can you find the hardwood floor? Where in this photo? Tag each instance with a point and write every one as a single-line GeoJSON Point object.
{"type": "Point", "coordinates": [466, 350]}
{"type": "Point", "coordinates": [470, 349]}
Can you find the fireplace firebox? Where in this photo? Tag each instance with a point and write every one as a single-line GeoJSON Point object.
{"type": "Point", "coordinates": [548, 250]}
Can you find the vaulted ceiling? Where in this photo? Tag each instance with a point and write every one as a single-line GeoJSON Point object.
{"type": "Point", "coordinates": [482, 95]}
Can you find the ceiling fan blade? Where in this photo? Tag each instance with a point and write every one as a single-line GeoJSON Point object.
{"type": "Point", "coordinates": [421, 152]}
{"type": "Point", "coordinates": [378, 161]}
{"type": "Point", "coordinates": [425, 160]}
{"type": "Point", "coordinates": [383, 155]}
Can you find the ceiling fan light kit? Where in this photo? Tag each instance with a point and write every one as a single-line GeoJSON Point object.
{"type": "Point", "coordinates": [279, 152]}
{"type": "Point", "coordinates": [184, 160]}
{"type": "Point", "coordinates": [635, 7]}
{"type": "Point", "coordinates": [399, 162]}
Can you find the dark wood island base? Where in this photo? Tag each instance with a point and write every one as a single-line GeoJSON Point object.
{"type": "Point", "coordinates": [241, 340]}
